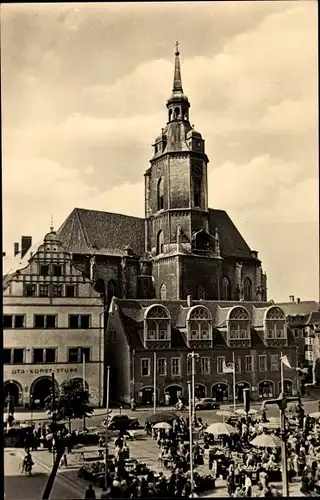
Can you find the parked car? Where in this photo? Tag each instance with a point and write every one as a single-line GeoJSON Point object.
{"type": "Point", "coordinates": [122, 422]}
{"type": "Point", "coordinates": [207, 404]}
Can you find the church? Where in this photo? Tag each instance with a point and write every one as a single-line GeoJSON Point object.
{"type": "Point", "coordinates": [181, 247]}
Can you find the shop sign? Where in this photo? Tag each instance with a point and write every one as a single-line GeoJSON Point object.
{"type": "Point", "coordinates": [42, 371]}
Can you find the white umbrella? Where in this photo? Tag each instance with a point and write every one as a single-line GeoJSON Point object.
{"type": "Point", "coordinates": [243, 413]}
{"type": "Point", "coordinates": [266, 441]}
{"type": "Point", "coordinates": [316, 414]}
{"type": "Point", "coordinates": [162, 425]}
{"type": "Point", "coordinates": [220, 429]}
{"type": "Point", "coordinates": [225, 413]}
{"type": "Point", "coordinates": [274, 423]}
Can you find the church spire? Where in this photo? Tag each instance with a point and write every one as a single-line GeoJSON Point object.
{"type": "Point", "coordinates": [177, 83]}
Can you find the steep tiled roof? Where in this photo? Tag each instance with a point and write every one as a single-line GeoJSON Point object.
{"type": "Point", "coordinates": [222, 314]}
{"type": "Point", "coordinates": [132, 312]}
{"type": "Point", "coordinates": [314, 317]}
{"type": "Point", "coordinates": [295, 308]}
{"type": "Point", "coordinates": [232, 243]}
{"type": "Point", "coordinates": [258, 315]}
{"type": "Point", "coordinates": [103, 233]}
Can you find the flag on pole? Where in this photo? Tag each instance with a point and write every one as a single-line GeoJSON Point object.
{"type": "Point", "coordinates": [285, 361]}
{"type": "Point", "coordinates": [228, 368]}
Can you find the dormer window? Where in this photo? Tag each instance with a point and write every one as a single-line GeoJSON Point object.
{"type": "Point", "coordinates": [238, 322]}
{"type": "Point", "coordinates": [157, 324]}
{"type": "Point", "coordinates": [199, 323]}
{"type": "Point", "coordinates": [275, 323]}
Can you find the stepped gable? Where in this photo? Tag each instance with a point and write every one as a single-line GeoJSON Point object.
{"type": "Point", "coordinates": [232, 244]}
{"type": "Point", "coordinates": [102, 233]}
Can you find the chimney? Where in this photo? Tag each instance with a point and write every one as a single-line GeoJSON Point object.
{"type": "Point", "coordinates": [298, 300]}
{"type": "Point", "coordinates": [189, 300]}
{"type": "Point", "coordinates": [15, 249]}
{"type": "Point", "coordinates": [26, 242]}
{"type": "Point", "coordinates": [291, 298]}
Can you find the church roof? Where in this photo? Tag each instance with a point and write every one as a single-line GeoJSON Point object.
{"type": "Point", "coordinates": [232, 243]}
{"type": "Point", "coordinates": [102, 233]}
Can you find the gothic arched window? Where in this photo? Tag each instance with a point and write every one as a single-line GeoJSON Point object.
{"type": "Point", "coordinates": [160, 242]}
{"type": "Point", "coordinates": [163, 292]}
{"type": "Point", "coordinates": [200, 323]}
{"type": "Point", "coordinates": [238, 323]}
{"type": "Point", "coordinates": [201, 293]}
{"type": "Point", "coordinates": [158, 323]}
{"type": "Point", "coordinates": [247, 289]}
{"type": "Point", "coordinates": [160, 196]}
{"type": "Point", "coordinates": [226, 289]}
{"type": "Point", "coordinates": [275, 323]}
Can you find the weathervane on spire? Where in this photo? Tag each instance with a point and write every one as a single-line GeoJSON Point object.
{"type": "Point", "coordinates": [177, 49]}
{"type": "Point", "coordinates": [51, 227]}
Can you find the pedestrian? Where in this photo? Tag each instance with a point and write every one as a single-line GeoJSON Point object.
{"type": "Point", "coordinates": [90, 493]}
{"type": "Point", "coordinates": [248, 486]}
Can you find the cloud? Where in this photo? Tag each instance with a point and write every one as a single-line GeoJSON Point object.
{"type": "Point", "coordinates": [56, 190]}
{"type": "Point", "coordinates": [84, 90]}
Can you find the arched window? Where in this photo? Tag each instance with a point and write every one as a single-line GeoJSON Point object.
{"type": "Point", "coordinates": [238, 321]}
{"type": "Point", "coordinates": [226, 289]}
{"type": "Point", "coordinates": [201, 293]}
{"type": "Point", "coordinates": [176, 112]}
{"type": "Point", "coordinates": [160, 197]}
{"type": "Point", "coordinates": [163, 292]}
{"type": "Point", "coordinates": [158, 323]}
{"type": "Point", "coordinates": [160, 243]}
{"type": "Point", "coordinates": [275, 323]}
{"type": "Point", "coordinates": [170, 115]}
{"type": "Point", "coordinates": [199, 323]}
{"type": "Point", "coordinates": [247, 289]}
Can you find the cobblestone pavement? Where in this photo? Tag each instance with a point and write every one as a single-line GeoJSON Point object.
{"type": "Point", "coordinates": [68, 485]}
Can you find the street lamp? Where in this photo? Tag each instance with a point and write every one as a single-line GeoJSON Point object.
{"type": "Point", "coordinates": [193, 355]}
{"type": "Point", "coordinates": [282, 402]}
{"type": "Point", "coordinates": [190, 439]}
{"type": "Point", "coordinates": [107, 425]}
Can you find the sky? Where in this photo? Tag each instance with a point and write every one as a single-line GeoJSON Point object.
{"type": "Point", "coordinates": [84, 88]}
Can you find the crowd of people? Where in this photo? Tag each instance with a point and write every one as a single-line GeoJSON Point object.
{"type": "Point", "coordinates": [229, 457]}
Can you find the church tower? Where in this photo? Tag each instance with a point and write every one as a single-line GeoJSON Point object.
{"type": "Point", "coordinates": [186, 258]}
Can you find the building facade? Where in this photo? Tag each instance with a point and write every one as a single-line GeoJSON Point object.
{"type": "Point", "coordinates": [152, 339]}
{"type": "Point", "coordinates": [182, 247]}
{"type": "Point", "coordinates": [52, 324]}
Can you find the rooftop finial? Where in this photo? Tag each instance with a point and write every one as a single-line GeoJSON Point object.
{"type": "Point", "coordinates": [51, 227]}
{"type": "Point", "coordinates": [177, 84]}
